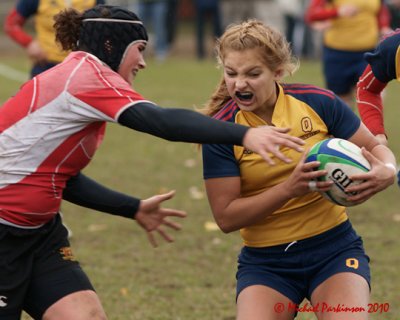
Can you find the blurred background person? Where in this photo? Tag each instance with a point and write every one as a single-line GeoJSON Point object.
{"type": "Point", "coordinates": [236, 11]}
{"type": "Point", "coordinates": [297, 32]}
{"type": "Point", "coordinates": [41, 48]}
{"type": "Point", "coordinates": [172, 20]}
{"type": "Point", "coordinates": [206, 9]}
{"type": "Point", "coordinates": [394, 9]}
{"type": "Point", "coordinates": [154, 16]}
{"type": "Point", "coordinates": [350, 29]}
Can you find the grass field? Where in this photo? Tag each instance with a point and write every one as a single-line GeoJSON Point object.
{"type": "Point", "coordinates": [193, 278]}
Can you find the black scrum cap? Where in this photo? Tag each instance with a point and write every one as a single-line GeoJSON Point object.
{"type": "Point", "coordinates": [107, 31]}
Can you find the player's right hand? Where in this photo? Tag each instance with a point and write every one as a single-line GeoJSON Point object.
{"type": "Point", "coordinates": [36, 53]}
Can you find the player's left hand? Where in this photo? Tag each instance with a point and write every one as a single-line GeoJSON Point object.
{"type": "Point", "coordinates": [153, 218]}
{"type": "Point", "coordinates": [267, 139]}
{"type": "Point", "coordinates": [377, 179]}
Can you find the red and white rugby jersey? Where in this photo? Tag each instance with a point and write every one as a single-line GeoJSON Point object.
{"type": "Point", "coordinates": [50, 130]}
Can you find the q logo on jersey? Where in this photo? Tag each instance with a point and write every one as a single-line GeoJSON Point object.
{"type": "Point", "coordinates": [66, 254]}
{"type": "Point", "coordinates": [306, 124]}
{"type": "Point", "coordinates": [352, 263]}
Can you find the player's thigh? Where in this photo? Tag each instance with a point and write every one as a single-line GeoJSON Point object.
{"type": "Point", "coordinates": [82, 305]}
{"type": "Point", "coordinates": [343, 296]}
{"type": "Point", "coordinates": [258, 302]}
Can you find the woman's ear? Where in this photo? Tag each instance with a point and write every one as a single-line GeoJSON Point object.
{"type": "Point", "coordinates": [279, 73]}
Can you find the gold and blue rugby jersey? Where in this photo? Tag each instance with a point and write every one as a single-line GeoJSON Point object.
{"type": "Point", "coordinates": [356, 33]}
{"type": "Point", "coordinates": [314, 114]}
{"type": "Point", "coordinates": [44, 11]}
{"type": "Point", "coordinates": [385, 60]}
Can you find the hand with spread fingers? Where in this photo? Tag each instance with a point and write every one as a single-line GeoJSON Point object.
{"type": "Point", "coordinates": [152, 217]}
{"type": "Point", "coordinates": [265, 139]}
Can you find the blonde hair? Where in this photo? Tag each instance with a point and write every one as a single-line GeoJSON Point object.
{"type": "Point", "coordinates": [252, 34]}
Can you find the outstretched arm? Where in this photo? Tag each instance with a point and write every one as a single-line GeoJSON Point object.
{"type": "Point", "coordinates": [190, 126]}
{"type": "Point", "coordinates": [86, 192]}
{"type": "Point", "coordinates": [369, 103]}
{"type": "Point", "coordinates": [13, 26]}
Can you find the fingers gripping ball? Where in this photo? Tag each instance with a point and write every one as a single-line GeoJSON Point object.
{"type": "Point", "coordinates": [341, 159]}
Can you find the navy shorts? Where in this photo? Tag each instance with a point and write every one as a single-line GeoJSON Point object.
{"type": "Point", "coordinates": [296, 269]}
{"type": "Point", "coordinates": [39, 68]}
{"type": "Point", "coordinates": [342, 69]}
{"type": "Point", "coordinates": [37, 268]}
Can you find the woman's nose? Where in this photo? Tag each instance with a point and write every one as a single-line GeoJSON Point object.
{"type": "Point", "coordinates": [240, 83]}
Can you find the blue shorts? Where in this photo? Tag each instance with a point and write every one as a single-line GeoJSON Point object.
{"type": "Point", "coordinates": [296, 269]}
{"type": "Point", "coordinates": [342, 69]}
{"type": "Point", "coordinates": [39, 68]}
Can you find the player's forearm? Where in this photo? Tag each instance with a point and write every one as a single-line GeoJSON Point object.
{"type": "Point", "coordinates": [87, 193]}
{"type": "Point", "coordinates": [181, 125]}
{"type": "Point", "coordinates": [384, 154]}
{"type": "Point", "coordinates": [369, 101]}
{"type": "Point", "coordinates": [384, 17]}
{"type": "Point", "coordinates": [317, 11]}
{"type": "Point", "coordinates": [13, 26]}
{"type": "Point", "coordinates": [229, 215]}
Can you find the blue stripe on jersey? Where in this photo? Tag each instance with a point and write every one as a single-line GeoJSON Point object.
{"type": "Point", "coordinates": [340, 120]}
{"type": "Point", "coordinates": [383, 58]}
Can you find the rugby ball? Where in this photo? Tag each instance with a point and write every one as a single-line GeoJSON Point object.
{"type": "Point", "coordinates": [341, 159]}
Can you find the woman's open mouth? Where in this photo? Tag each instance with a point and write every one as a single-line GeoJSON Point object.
{"type": "Point", "coordinates": [244, 96]}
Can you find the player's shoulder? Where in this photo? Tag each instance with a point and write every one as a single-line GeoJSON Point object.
{"type": "Point", "coordinates": [308, 93]}
{"type": "Point", "coordinates": [227, 112]}
{"type": "Point", "coordinates": [383, 59]}
{"type": "Point", "coordinates": [390, 41]}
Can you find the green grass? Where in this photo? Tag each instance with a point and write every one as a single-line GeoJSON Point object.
{"type": "Point", "coordinates": [193, 278]}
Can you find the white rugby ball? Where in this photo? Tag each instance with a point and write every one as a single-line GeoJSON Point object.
{"type": "Point", "coordinates": [341, 159]}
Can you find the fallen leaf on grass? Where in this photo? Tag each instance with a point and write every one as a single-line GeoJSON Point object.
{"type": "Point", "coordinates": [124, 292]}
{"type": "Point", "coordinates": [196, 193]}
{"type": "Point", "coordinates": [211, 226]}
{"type": "Point", "coordinates": [396, 217]}
{"type": "Point", "coordinates": [97, 227]}
{"type": "Point", "coordinates": [216, 241]}
{"type": "Point", "coordinates": [190, 163]}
